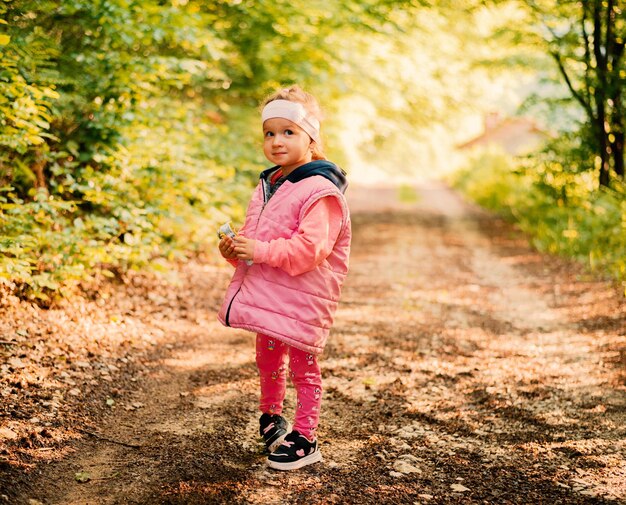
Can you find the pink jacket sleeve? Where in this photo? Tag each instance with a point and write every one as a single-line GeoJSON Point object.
{"type": "Point", "coordinates": [313, 242]}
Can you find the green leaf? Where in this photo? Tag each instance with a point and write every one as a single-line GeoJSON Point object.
{"type": "Point", "coordinates": [82, 477]}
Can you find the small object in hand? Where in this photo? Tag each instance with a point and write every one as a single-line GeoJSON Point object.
{"type": "Point", "coordinates": [226, 230]}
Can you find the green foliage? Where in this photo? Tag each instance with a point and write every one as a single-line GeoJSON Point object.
{"type": "Point", "coordinates": [111, 139]}
{"type": "Point", "coordinates": [563, 211]}
{"type": "Point", "coordinates": [490, 179]}
{"type": "Point", "coordinates": [559, 195]}
{"type": "Point", "coordinates": [585, 41]}
{"type": "Point", "coordinates": [407, 194]}
{"type": "Point", "coordinates": [129, 128]}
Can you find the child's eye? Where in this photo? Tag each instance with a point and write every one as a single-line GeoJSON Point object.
{"type": "Point", "coordinates": [269, 134]}
{"type": "Point", "coordinates": [288, 132]}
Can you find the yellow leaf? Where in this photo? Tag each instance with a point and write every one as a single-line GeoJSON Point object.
{"type": "Point", "coordinates": [570, 233]}
{"type": "Point", "coordinates": [35, 139]}
{"type": "Point", "coordinates": [4, 39]}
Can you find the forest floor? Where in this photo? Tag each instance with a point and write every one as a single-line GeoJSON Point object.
{"type": "Point", "coordinates": [464, 367]}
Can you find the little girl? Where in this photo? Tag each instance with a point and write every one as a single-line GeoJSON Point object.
{"type": "Point", "coordinates": [291, 258]}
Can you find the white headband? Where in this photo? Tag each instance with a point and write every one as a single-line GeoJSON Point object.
{"type": "Point", "coordinates": [295, 113]}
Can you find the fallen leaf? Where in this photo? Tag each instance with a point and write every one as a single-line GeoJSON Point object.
{"type": "Point", "coordinates": [405, 467]}
{"type": "Point", "coordinates": [7, 434]}
{"type": "Point", "coordinates": [82, 477]}
{"type": "Point", "coordinates": [459, 488]}
{"type": "Point", "coordinates": [16, 363]}
{"type": "Point", "coordinates": [588, 492]}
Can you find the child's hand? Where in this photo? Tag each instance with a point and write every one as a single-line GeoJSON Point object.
{"type": "Point", "coordinates": [244, 247]}
{"type": "Point", "coordinates": [227, 248]}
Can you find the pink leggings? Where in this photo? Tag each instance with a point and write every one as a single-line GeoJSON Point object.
{"type": "Point", "coordinates": [271, 357]}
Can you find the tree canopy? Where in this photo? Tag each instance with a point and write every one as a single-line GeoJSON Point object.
{"type": "Point", "coordinates": [129, 129]}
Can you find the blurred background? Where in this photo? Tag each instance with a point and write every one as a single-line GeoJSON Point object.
{"type": "Point", "coordinates": [129, 129]}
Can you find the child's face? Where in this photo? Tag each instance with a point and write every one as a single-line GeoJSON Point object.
{"type": "Point", "coordinates": [286, 144]}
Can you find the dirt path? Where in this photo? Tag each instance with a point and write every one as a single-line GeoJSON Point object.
{"type": "Point", "coordinates": [463, 368]}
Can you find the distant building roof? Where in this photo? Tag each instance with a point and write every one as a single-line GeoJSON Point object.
{"type": "Point", "coordinates": [515, 135]}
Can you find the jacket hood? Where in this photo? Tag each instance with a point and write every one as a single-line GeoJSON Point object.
{"type": "Point", "coordinates": [325, 168]}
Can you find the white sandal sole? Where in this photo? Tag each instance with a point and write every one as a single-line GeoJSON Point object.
{"type": "Point", "coordinates": [294, 465]}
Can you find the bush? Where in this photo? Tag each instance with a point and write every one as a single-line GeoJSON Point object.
{"type": "Point", "coordinates": [128, 129]}
{"type": "Point", "coordinates": [562, 211]}
{"type": "Point", "coordinates": [114, 145]}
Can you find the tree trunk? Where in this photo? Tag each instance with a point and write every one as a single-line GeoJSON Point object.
{"type": "Point", "coordinates": [618, 154]}
{"type": "Point", "coordinates": [604, 160]}
{"type": "Point", "coordinates": [602, 138]}
{"type": "Point", "coordinates": [599, 95]}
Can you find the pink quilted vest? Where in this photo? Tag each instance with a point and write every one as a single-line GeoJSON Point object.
{"type": "Point", "coordinates": [298, 310]}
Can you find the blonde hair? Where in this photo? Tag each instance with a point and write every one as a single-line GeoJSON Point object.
{"type": "Point", "coordinates": [296, 94]}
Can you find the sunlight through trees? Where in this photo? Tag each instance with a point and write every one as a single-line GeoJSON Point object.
{"type": "Point", "coordinates": [129, 128]}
